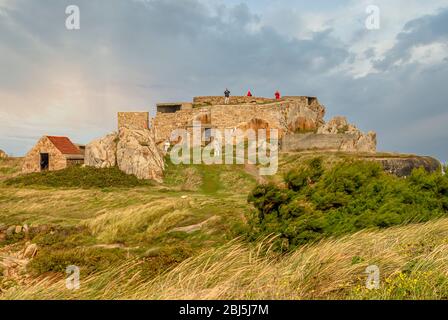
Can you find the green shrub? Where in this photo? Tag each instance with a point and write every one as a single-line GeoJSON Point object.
{"type": "Point", "coordinates": [349, 197]}
{"type": "Point", "coordinates": [298, 179]}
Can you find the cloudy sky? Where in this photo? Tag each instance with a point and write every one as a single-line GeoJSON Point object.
{"type": "Point", "coordinates": [130, 54]}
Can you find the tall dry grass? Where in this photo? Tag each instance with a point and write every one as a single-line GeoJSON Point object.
{"type": "Point", "coordinates": [413, 263]}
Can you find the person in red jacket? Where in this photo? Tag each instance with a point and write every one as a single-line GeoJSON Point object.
{"type": "Point", "coordinates": [249, 94]}
{"type": "Point", "coordinates": [277, 95]}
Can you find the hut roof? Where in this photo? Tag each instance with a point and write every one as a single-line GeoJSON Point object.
{"type": "Point", "coordinates": [64, 145]}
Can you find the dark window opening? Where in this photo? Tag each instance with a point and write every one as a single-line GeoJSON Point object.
{"type": "Point", "coordinates": [44, 161]}
{"type": "Point", "coordinates": [169, 108]}
{"type": "Point", "coordinates": [208, 134]}
{"type": "Point", "coordinates": [311, 100]}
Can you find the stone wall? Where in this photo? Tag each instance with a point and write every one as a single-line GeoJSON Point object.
{"type": "Point", "coordinates": [350, 142]}
{"type": "Point", "coordinates": [289, 115]}
{"type": "Point", "coordinates": [133, 120]}
{"type": "Point", "coordinates": [217, 100]}
{"type": "Point", "coordinates": [31, 162]}
{"type": "Point", "coordinates": [165, 123]}
{"type": "Point", "coordinates": [310, 141]}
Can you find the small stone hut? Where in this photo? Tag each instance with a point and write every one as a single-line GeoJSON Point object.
{"type": "Point", "coordinates": [52, 153]}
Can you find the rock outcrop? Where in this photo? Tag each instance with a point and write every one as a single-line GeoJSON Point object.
{"type": "Point", "coordinates": [138, 154]}
{"type": "Point", "coordinates": [3, 154]}
{"type": "Point", "coordinates": [303, 117]}
{"type": "Point", "coordinates": [132, 150]}
{"type": "Point", "coordinates": [337, 125]}
{"type": "Point", "coordinates": [359, 141]}
{"type": "Point", "coordinates": [402, 166]}
{"type": "Point", "coordinates": [102, 153]}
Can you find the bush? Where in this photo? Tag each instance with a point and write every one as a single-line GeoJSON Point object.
{"type": "Point", "coordinates": [346, 198]}
{"type": "Point", "coordinates": [298, 179]}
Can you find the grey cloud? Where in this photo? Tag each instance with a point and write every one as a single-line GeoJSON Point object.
{"type": "Point", "coordinates": [422, 31]}
{"type": "Point", "coordinates": [151, 51]}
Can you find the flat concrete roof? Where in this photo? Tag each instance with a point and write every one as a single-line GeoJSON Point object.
{"type": "Point", "coordinates": [162, 104]}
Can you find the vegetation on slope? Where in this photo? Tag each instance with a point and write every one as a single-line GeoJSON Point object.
{"type": "Point", "coordinates": [348, 197]}
{"type": "Point", "coordinates": [9, 167]}
{"type": "Point", "coordinates": [79, 177]}
{"type": "Point", "coordinates": [413, 264]}
{"type": "Point", "coordinates": [175, 240]}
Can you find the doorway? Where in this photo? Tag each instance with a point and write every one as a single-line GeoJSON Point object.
{"type": "Point", "coordinates": [44, 161]}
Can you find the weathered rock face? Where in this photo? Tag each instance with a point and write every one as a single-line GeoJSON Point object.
{"type": "Point", "coordinates": [337, 125]}
{"type": "Point", "coordinates": [3, 154]}
{"type": "Point", "coordinates": [133, 151]}
{"type": "Point", "coordinates": [102, 153]}
{"type": "Point", "coordinates": [302, 117]}
{"type": "Point", "coordinates": [138, 154]}
{"type": "Point", "coordinates": [302, 124]}
{"type": "Point", "coordinates": [361, 143]}
{"type": "Point", "coordinates": [358, 142]}
{"type": "Point", "coordinates": [403, 166]}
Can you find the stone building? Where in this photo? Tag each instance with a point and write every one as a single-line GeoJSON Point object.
{"type": "Point", "coordinates": [289, 114]}
{"type": "Point", "coordinates": [138, 146]}
{"type": "Point", "coordinates": [52, 153]}
{"type": "Point", "coordinates": [298, 119]}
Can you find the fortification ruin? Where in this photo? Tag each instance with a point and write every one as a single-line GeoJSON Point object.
{"type": "Point", "coordinates": [298, 119]}
{"type": "Point", "coordinates": [138, 146]}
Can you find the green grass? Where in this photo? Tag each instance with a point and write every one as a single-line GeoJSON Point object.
{"type": "Point", "coordinates": [79, 177]}
{"type": "Point", "coordinates": [120, 231]}
{"type": "Point", "coordinates": [236, 270]}
{"type": "Point", "coordinates": [9, 167]}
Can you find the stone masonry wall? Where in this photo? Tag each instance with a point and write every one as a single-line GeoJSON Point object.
{"type": "Point", "coordinates": [133, 120]}
{"type": "Point", "coordinates": [165, 123]}
{"type": "Point", "coordinates": [350, 142]}
{"type": "Point", "coordinates": [217, 100]}
{"type": "Point", "coordinates": [286, 116]}
{"type": "Point", "coordinates": [31, 162]}
{"type": "Point", "coordinates": [310, 141]}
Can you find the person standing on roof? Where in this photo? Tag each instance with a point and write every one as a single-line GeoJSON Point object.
{"type": "Point", "coordinates": [277, 95]}
{"type": "Point", "coordinates": [249, 94]}
{"type": "Point", "coordinates": [226, 96]}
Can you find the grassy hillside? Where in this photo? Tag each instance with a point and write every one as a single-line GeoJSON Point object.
{"type": "Point", "coordinates": [187, 238]}
{"type": "Point", "coordinates": [413, 264]}
{"type": "Point", "coordinates": [9, 167]}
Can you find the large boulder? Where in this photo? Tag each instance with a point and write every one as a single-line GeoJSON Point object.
{"type": "Point", "coordinates": [337, 125]}
{"type": "Point", "coordinates": [138, 154]}
{"type": "Point", "coordinates": [359, 141]}
{"type": "Point", "coordinates": [303, 118]}
{"type": "Point", "coordinates": [402, 166]}
{"type": "Point", "coordinates": [3, 154]}
{"type": "Point", "coordinates": [101, 153]}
